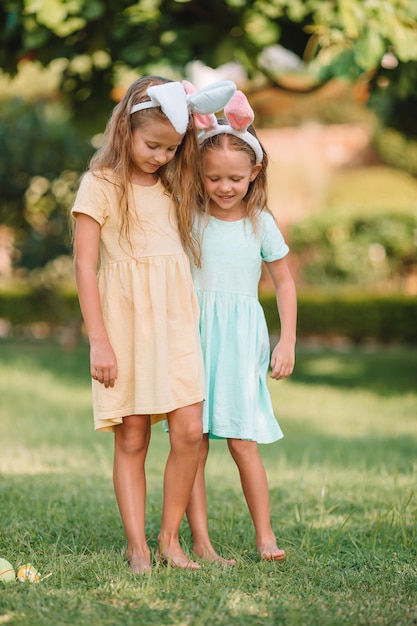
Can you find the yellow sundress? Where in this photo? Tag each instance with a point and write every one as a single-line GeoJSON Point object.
{"type": "Point", "coordinates": [149, 306]}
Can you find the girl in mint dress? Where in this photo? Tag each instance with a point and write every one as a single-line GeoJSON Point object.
{"type": "Point", "coordinates": [237, 235]}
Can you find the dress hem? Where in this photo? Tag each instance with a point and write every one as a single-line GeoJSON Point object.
{"type": "Point", "coordinates": [107, 424]}
{"type": "Point", "coordinates": [214, 436]}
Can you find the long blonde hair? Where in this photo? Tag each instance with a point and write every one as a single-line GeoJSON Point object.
{"type": "Point", "coordinates": [256, 199]}
{"type": "Point", "coordinates": [182, 177]}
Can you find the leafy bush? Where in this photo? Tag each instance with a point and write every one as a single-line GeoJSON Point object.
{"type": "Point", "coordinates": [365, 235]}
{"type": "Point", "coordinates": [396, 149]}
{"type": "Point", "coordinates": [41, 157]}
{"type": "Point", "coordinates": [42, 304]}
{"type": "Point", "coordinates": [357, 317]}
{"type": "Point", "coordinates": [355, 250]}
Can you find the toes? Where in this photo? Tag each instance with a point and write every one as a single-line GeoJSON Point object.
{"type": "Point", "coordinates": [274, 555]}
{"type": "Point", "coordinates": [179, 562]}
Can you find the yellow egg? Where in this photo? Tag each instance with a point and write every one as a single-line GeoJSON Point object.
{"type": "Point", "coordinates": [28, 573]}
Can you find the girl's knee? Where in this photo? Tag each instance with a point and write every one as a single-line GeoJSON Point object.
{"type": "Point", "coordinates": [132, 445]}
{"type": "Point", "coordinates": [193, 432]}
{"type": "Point", "coordinates": [242, 449]}
{"type": "Point", "coordinates": [186, 425]}
{"type": "Point", "coordinates": [133, 436]}
{"type": "Point", "coordinates": [187, 434]}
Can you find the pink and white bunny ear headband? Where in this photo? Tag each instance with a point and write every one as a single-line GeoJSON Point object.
{"type": "Point", "coordinates": [239, 114]}
{"type": "Point", "coordinates": [179, 100]}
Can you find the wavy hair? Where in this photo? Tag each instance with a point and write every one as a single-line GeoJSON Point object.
{"type": "Point", "coordinates": [181, 177]}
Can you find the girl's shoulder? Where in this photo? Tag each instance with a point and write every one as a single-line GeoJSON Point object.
{"type": "Point", "coordinates": [99, 183]}
{"type": "Point", "coordinates": [96, 195]}
{"type": "Point", "coordinates": [266, 222]}
{"type": "Point", "coordinates": [265, 217]}
{"type": "Point", "coordinates": [273, 243]}
{"type": "Point", "coordinates": [102, 177]}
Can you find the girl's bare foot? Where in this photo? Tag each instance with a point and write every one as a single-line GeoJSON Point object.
{"type": "Point", "coordinates": [175, 558]}
{"type": "Point", "coordinates": [209, 555]}
{"type": "Point", "coordinates": [269, 551]}
{"type": "Point", "coordinates": [140, 564]}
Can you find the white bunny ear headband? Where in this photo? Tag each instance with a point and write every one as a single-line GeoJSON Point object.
{"type": "Point", "coordinates": [179, 100]}
{"type": "Point", "coordinates": [239, 115]}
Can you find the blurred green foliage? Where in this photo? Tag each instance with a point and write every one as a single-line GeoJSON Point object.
{"type": "Point", "coordinates": [364, 250]}
{"type": "Point", "coordinates": [358, 317]}
{"type": "Point", "coordinates": [41, 158]}
{"type": "Point", "coordinates": [397, 149]}
{"type": "Point", "coordinates": [93, 43]}
{"type": "Point", "coordinates": [393, 95]}
{"type": "Point", "coordinates": [365, 234]}
{"type": "Point", "coordinates": [98, 37]}
{"type": "Point", "coordinates": [26, 306]}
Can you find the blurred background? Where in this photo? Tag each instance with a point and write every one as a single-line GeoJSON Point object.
{"type": "Point", "coordinates": [334, 88]}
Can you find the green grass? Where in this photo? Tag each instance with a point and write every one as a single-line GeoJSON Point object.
{"type": "Point", "coordinates": [343, 500]}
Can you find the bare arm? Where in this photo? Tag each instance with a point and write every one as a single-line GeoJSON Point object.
{"type": "Point", "coordinates": [103, 365]}
{"type": "Point", "coordinates": [283, 355]}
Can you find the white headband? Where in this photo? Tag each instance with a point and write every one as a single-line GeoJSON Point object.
{"type": "Point", "coordinates": [179, 100]}
{"type": "Point", "coordinates": [239, 114]}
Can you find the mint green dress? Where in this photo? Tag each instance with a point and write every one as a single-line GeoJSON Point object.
{"type": "Point", "coordinates": [233, 330]}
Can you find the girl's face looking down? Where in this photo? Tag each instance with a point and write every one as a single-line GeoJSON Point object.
{"type": "Point", "coordinates": [227, 176]}
{"type": "Point", "coordinates": [153, 144]}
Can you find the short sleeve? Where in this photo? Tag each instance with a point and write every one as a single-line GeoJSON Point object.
{"type": "Point", "coordinates": [273, 246]}
{"type": "Point", "coordinates": [92, 199]}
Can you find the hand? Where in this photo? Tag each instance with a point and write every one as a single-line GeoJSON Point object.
{"type": "Point", "coordinates": [103, 363]}
{"type": "Point", "coordinates": [282, 360]}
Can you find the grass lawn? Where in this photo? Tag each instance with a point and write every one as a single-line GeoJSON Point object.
{"type": "Point", "coordinates": [343, 502]}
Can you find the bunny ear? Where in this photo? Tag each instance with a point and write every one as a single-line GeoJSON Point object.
{"type": "Point", "coordinates": [188, 87]}
{"type": "Point", "coordinates": [238, 112]}
{"type": "Point", "coordinates": [211, 98]}
{"type": "Point", "coordinates": [172, 100]}
{"type": "Point", "coordinates": [205, 122]}
{"type": "Point", "coordinates": [239, 116]}
{"type": "Point", "coordinates": [177, 100]}
{"type": "Point", "coordinates": [201, 121]}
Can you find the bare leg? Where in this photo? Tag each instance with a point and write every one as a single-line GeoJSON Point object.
{"type": "Point", "coordinates": [185, 431]}
{"type": "Point", "coordinates": [197, 513]}
{"type": "Point", "coordinates": [255, 488]}
{"type": "Point", "coordinates": [131, 442]}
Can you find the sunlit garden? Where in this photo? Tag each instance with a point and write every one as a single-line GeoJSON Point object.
{"type": "Point", "coordinates": [333, 89]}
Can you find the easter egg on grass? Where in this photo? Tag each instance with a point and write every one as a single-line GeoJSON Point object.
{"type": "Point", "coordinates": [28, 573]}
{"type": "Point", "coordinates": [7, 573]}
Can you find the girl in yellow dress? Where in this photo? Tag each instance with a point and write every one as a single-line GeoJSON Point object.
{"type": "Point", "coordinates": [134, 212]}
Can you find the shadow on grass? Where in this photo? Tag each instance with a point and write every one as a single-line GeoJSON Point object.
{"type": "Point", "coordinates": [385, 372]}
{"type": "Point", "coordinates": [30, 355]}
